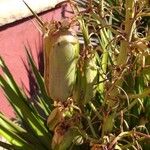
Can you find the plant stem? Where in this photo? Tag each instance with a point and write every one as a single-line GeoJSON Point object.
{"type": "Point", "coordinates": [124, 46]}
{"type": "Point", "coordinates": [129, 25]}
{"type": "Point", "coordinates": [104, 61]}
{"type": "Point", "coordinates": [129, 107]}
{"type": "Point", "coordinates": [95, 110]}
{"type": "Point", "coordinates": [91, 127]}
{"type": "Point", "coordinates": [102, 8]}
{"type": "Point", "coordinates": [144, 136]}
{"type": "Point", "coordinates": [145, 93]}
{"type": "Point", "coordinates": [121, 135]}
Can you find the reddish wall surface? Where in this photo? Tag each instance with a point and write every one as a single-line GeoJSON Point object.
{"type": "Point", "coordinates": [13, 37]}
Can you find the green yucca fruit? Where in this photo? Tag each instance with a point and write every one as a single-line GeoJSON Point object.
{"type": "Point", "coordinates": [61, 51]}
{"type": "Point", "coordinates": [63, 138]}
{"type": "Point", "coordinates": [61, 56]}
{"type": "Point", "coordinates": [55, 117]}
{"type": "Point", "coordinates": [85, 88]}
{"type": "Point", "coordinates": [91, 79]}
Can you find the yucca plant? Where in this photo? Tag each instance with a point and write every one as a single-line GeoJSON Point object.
{"type": "Point", "coordinates": [115, 28]}
{"type": "Point", "coordinates": [101, 99]}
{"type": "Point", "coordinates": [30, 131]}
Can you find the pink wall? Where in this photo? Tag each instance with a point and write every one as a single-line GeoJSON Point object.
{"type": "Point", "coordinates": [13, 37]}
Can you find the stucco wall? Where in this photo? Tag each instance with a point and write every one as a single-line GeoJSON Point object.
{"type": "Point", "coordinates": [13, 37]}
{"type": "Point", "coordinates": [12, 10]}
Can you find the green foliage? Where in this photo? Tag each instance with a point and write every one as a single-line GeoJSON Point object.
{"type": "Point", "coordinates": [32, 132]}
{"type": "Point", "coordinates": [115, 29]}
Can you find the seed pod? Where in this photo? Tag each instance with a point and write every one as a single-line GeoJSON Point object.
{"type": "Point", "coordinates": [91, 79]}
{"type": "Point", "coordinates": [63, 139]}
{"type": "Point", "coordinates": [55, 117]}
{"type": "Point", "coordinates": [87, 79]}
{"type": "Point", "coordinates": [61, 50]}
{"type": "Point", "coordinates": [61, 56]}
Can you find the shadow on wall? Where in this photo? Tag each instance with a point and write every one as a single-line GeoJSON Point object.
{"type": "Point", "coordinates": [12, 39]}
{"type": "Point", "coordinates": [65, 13]}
